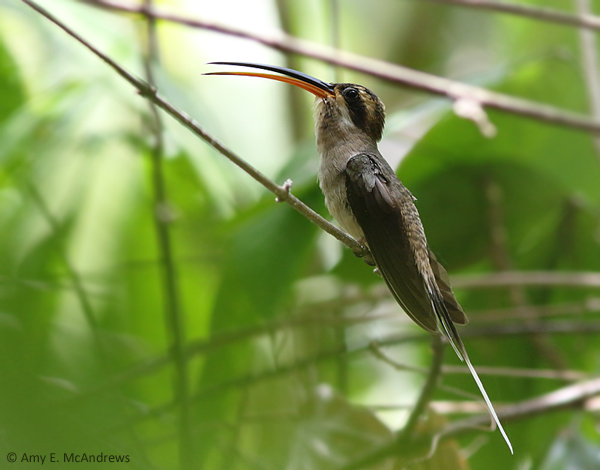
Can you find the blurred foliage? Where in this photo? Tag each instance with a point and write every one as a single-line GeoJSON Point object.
{"type": "Point", "coordinates": [276, 317]}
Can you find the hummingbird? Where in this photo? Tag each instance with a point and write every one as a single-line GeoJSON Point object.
{"type": "Point", "coordinates": [368, 200]}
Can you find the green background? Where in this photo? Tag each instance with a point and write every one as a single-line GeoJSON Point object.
{"type": "Point", "coordinates": [274, 318]}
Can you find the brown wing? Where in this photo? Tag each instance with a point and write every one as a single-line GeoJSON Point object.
{"type": "Point", "coordinates": [383, 208]}
{"type": "Point", "coordinates": [375, 206]}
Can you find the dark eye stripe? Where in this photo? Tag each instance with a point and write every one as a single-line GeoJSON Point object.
{"type": "Point", "coordinates": [358, 113]}
{"type": "Point", "coordinates": [365, 109]}
{"type": "Point", "coordinates": [356, 107]}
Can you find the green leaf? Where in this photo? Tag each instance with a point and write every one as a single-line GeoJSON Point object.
{"type": "Point", "coordinates": [13, 94]}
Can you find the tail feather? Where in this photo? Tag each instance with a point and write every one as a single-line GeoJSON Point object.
{"type": "Point", "coordinates": [444, 319]}
{"type": "Point", "coordinates": [487, 400]}
{"type": "Point", "coordinates": [449, 329]}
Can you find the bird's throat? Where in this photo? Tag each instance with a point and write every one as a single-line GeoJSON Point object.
{"type": "Point", "coordinates": [332, 177]}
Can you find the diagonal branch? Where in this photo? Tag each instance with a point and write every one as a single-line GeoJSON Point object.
{"type": "Point", "coordinates": [150, 93]}
{"type": "Point", "coordinates": [405, 76]}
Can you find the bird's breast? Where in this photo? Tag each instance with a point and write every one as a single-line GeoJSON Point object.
{"type": "Point", "coordinates": [332, 181]}
{"type": "Point", "coordinates": [338, 140]}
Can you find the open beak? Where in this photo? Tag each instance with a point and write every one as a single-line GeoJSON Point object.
{"type": "Point", "coordinates": [293, 77]}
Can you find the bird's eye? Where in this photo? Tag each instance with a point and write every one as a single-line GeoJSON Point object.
{"type": "Point", "coordinates": [351, 94]}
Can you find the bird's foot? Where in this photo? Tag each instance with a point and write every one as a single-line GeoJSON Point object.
{"type": "Point", "coordinates": [366, 254]}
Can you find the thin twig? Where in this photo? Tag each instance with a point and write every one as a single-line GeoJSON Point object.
{"type": "Point", "coordinates": [549, 15]}
{"type": "Point", "coordinates": [256, 378]}
{"type": "Point", "coordinates": [589, 305]}
{"type": "Point", "coordinates": [528, 278]}
{"type": "Point", "coordinates": [200, 347]}
{"type": "Point", "coordinates": [282, 192]}
{"type": "Point", "coordinates": [375, 349]}
{"type": "Point", "coordinates": [570, 396]}
{"type": "Point", "coordinates": [426, 82]}
{"type": "Point", "coordinates": [483, 370]}
{"type": "Point", "coordinates": [557, 327]}
{"type": "Point", "coordinates": [573, 396]}
{"type": "Point", "coordinates": [551, 374]}
{"type": "Point", "coordinates": [174, 317]}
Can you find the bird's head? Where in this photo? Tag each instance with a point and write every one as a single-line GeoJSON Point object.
{"type": "Point", "coordinates": [341, 107]}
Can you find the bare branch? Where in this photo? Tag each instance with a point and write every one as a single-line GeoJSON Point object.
{"type": "Point", "coordinates": [574, 396]}
{"type": "Point", "coordinates": [483, 370]}
{"type": "Point", "coordinates": [451, 89]}
{"type": "Point", "coordinates": [550, 15]}
{"type": "Point", "coordinates": [571, 396]}
{"type": "Point", "coordinates": [281, 192]}
{"type": "Point", "coordinates": [569, 375]}
{"type": "Point", "coordinates": [202, 347]}
{"type": "Point", "coordinates": [528, 278]}
{"type": "Point", "coordinates": [199, 347]}
{"type": "Point", "coordinates": [589, 305]}
{"type": "Point", "coordinates": [556, 327]}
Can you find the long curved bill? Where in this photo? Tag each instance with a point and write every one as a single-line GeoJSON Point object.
{"type": "Point", "coordinates": [293, 77]}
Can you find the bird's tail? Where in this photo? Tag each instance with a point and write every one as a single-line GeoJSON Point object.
{"type": "Point", "coordinates": [487, 400]}
{"type": "Point", "coordinates": [449, 329]}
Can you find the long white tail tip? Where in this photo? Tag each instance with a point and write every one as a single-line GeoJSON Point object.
{"type": "Point", "coordinates": [488, 402]}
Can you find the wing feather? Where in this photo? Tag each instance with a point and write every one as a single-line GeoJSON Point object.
{"type": "Point", "coordinates": [381, 205]}
{"type": "Point", "coordinates": [382, 222]}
